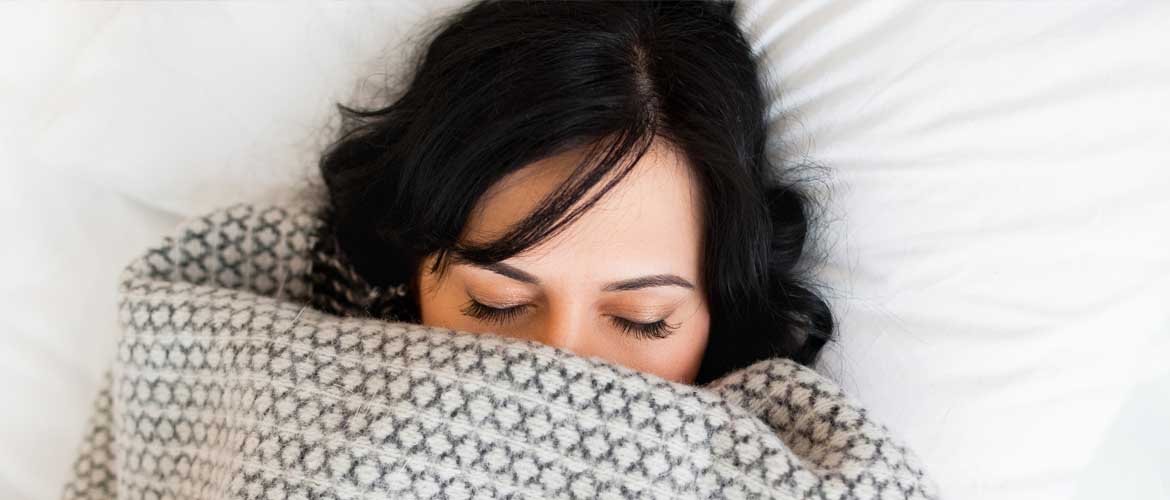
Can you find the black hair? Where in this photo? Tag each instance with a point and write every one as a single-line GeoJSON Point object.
{"type": "Point", "coordinates": [503, 84]}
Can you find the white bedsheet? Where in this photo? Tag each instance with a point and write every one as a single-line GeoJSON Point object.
{"type": "Point", "coordinates": [997, 244]}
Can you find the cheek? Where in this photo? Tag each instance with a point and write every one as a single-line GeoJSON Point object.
{"type": "Point", "coordinates": [438, 306]}
{"type": "Point", "coordinates": [676, 358]}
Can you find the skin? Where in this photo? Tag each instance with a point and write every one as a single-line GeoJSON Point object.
{"type": "Point", "coordinates": [649, 224]}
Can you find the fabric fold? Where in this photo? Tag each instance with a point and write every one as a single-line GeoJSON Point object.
{"type": "Point", "coordinates": [228, 384]}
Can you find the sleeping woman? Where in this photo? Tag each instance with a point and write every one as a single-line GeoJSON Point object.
{"type": "Point", "coordinates": [589, 175]}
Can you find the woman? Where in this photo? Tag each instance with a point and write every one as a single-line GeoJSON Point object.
{"type": "Point", "coordinates": [590, 175]}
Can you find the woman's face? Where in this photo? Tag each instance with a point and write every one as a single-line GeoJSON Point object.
{"type": "Point", "coordinates": [628, 269]}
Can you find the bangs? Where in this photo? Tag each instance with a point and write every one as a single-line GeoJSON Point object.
{"type": "Point", "coordinates": [612, 157]}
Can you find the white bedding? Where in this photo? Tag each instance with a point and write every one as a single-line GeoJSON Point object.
{"type": "Point", "coordinates": [1000, 210]}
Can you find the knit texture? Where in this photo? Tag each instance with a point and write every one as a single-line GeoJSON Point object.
{"type": "Point", "coordinates": [228, 384]}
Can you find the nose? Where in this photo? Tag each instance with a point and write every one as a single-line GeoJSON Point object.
{"type": "Point", "coordinates": [567, 327]}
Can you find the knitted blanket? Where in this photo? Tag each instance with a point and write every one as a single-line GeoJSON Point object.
{"type": "Point", "coordinates": [226, 384]}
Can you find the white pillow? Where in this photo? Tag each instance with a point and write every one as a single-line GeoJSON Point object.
{"type": "Point", "coordinates": [998, 213]}
{"type": "Point", "coordinates": [117, 121]}
{"type": "Point", "coordinates": [1002, 224]}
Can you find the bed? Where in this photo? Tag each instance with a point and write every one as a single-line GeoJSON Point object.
{"type": "Point", "coordinates": [998, 214]}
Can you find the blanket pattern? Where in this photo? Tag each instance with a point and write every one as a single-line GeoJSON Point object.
{"type": "Point", "coordinates": [227, 384]}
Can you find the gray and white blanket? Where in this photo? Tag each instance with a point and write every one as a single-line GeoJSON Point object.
{"type": "Point", "coordinates": [226, 384]}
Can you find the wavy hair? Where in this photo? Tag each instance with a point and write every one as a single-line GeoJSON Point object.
{"type": "Point", "coordinates": [502, 84]}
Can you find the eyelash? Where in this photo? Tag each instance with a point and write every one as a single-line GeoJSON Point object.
{"type": "Point", "coordinates": [491, 314]}
{"type": "Point", "coordinates": [657, 330]}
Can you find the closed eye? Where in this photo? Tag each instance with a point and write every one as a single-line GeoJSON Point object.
{"type": "Point", "coordinates": [657, 330]}
{"type": "Point", "coordinates": [477, 310]}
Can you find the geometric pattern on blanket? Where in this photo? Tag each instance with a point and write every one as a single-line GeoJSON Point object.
{"type": "Point", "coordinates": [227, 385]}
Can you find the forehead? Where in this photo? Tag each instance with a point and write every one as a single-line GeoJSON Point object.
{"type": "Point", "coordinates": [649, 222]}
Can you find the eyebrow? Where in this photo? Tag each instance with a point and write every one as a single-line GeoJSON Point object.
{"type": "Point", "coordinates": [638, 283]}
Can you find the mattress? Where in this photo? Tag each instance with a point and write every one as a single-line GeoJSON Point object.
{"type": "Point", "coordinates": [996, 205]}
